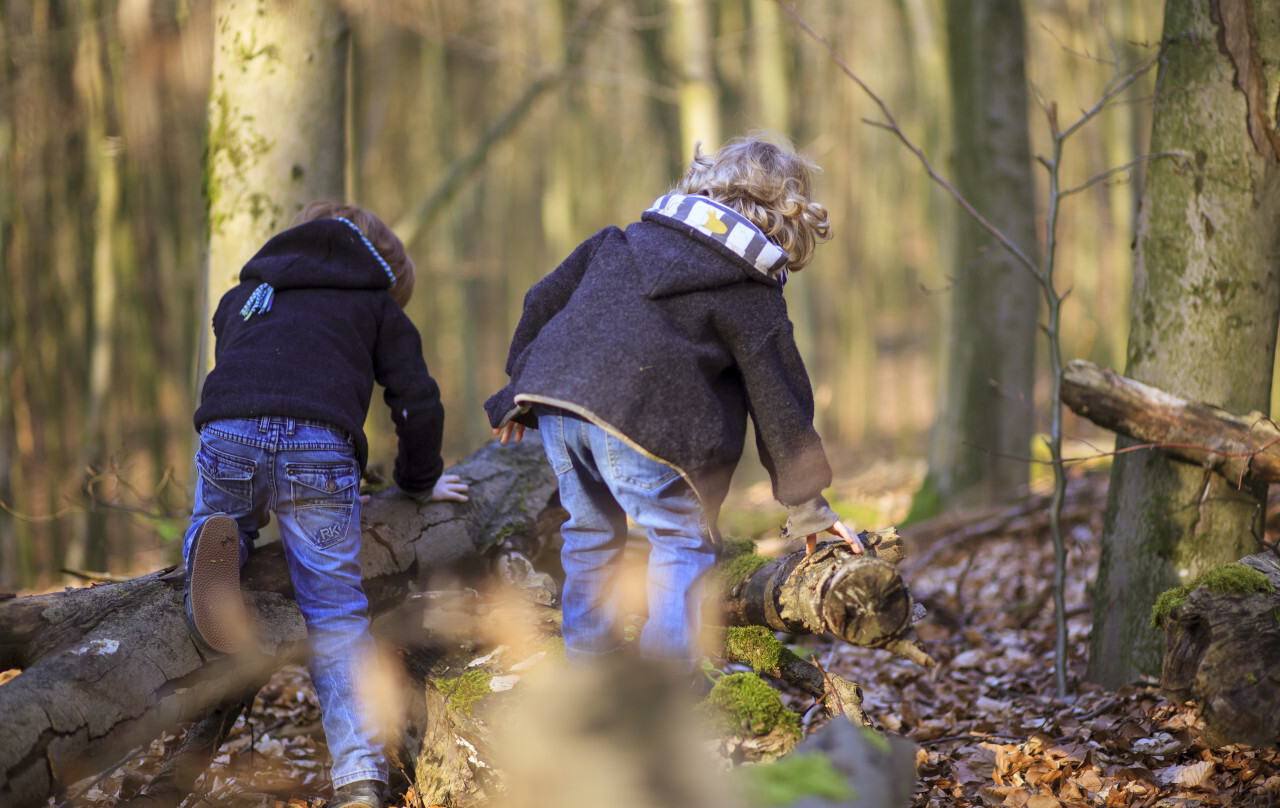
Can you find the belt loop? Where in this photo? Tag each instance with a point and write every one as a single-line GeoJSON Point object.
{"type": "Point", "coordinates": [264, 423]}
{"type": "Point", "coordinates": [289, 426]}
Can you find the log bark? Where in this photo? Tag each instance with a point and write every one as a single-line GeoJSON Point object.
{"type": "Point", "coordinates": [860, 599]}
{"type": "Point", "coordinates": [107, 668]}
{"type": "Point", "coordinates": [1221, 651]}
{"type": "Point", "coordinates": [1243, 448]}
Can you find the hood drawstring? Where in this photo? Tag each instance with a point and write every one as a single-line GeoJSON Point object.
{"type": "Point", "coordinates": [259, 302]}
{"type": "Point", "coordinates": [376, 255]}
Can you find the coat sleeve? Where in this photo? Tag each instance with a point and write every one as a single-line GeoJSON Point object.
{"type": "Point", "coordinates": [544, 300]}
{"type": "Point", "coordinates": [780, 401]}
{"type": "Point", "coordinates": [414, 399]}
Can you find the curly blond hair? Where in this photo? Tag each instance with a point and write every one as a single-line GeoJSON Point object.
{"type": "Point", "coordinates": [770, 184]}
{"type": "Point", "coordinates": [384, 240]}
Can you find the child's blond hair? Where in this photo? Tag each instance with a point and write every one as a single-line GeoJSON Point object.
{"type": "Point", "coordinates": [383, 239]}
{"type": "Point", "coordinates": [770, 184]}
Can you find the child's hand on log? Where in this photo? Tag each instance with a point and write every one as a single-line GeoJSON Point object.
{"type": "Point", "coordinates": [509, 431]}
{"type": "Point", "coordinates": [838, 529]}
{"type": "Point", "coordinates": [449, 487]}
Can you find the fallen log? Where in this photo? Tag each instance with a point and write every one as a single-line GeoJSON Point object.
{"type": "Point", "coordinates": [1222, 640]}
{"type": "Point", "coordinates": [1243, 448]}
{"type": "Point", "coordinates": [107, 668]}
{"type": "Point", "coordinates": [860, 599]}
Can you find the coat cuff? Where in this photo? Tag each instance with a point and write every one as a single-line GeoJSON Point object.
{"type": "Point", "coordinates": [809, 517]}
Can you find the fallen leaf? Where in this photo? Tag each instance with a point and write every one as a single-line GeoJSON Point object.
{"type": "Point", "coordinates": [1195, 774]}
{"type": "Point", "coordinates": [1089, 781]}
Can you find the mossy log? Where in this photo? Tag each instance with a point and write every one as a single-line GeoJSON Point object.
{"type": "Point", "coordinates": [860, 599]}
{"type": "Point", "coordinates": [1243, 448]}
{"type": "Point", "coordinates": [107, 668]}
{"type": "Point", "coordinates": [1222, 650]}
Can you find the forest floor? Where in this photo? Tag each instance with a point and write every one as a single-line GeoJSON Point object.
{"type": "Point", "coordinates": [988, 727]}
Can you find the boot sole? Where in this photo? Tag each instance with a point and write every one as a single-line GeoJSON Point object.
{"type": "Point", "coordinates": [215, 606]}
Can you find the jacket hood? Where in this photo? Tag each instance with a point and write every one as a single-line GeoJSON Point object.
{"type": "Point", "coordinates": [320, 254]}
{"type": "Point", "coordinates": [673, 265]}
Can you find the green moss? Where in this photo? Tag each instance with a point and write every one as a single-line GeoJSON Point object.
{"type": "Point", "coordinates": [1251, 678]}
{"type": "Point", "coordinates": [794, 778]}
{"type": "Point", "coordinates": [756, 646]}
{"type": "Point", "coordinates": [734, 546]}
{"type": "Point", "coordinates": [1231, 579]}
{"type": "Point", "coordinates": [739, 568]}
{"type": "Point", "coordinates": [463, 692]}
{"type": "Point", "coordinates": [742, 704]}
{"type": "Point", "coordinates": [738, 560]}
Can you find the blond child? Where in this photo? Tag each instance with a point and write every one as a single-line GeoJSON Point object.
{"type": "Point", "coordinates": [640, 359]}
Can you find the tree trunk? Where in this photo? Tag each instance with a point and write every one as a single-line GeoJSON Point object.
{"type": "Point", "coordinates": [987, 412]}
{"type": "Point", "coordinates": [1205, 287]}
{"type": "Point", "coordinates": [108, 668]}
{"type": "Point", "coordinates": [88, 548]}
{"type": "Point", "coordinates": [1244, 449]}
{"type": "Point", "coordinates": [699, 96]}
{"type": "Point", "coordinates": [276, 129]}
{"type": "Point", "coordinates": [1221, 650]}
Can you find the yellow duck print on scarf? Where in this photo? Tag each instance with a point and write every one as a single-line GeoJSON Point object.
{"type": "Point", "coordinates": [714, 224]}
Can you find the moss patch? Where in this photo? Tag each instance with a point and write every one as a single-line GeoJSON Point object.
{"type": "Point", "coordinates": [738, 560]}
{"type": "Point", "coordinates": [756, 646]}
{"type": "Point", "coordinates": [463, 692]}
{"type": "Point", "coordinates": [794, 778]}
{"type": "Point", "coordinates": [742, 704]}
{"type": "Point", "coordinates": [1231, 579]}
{"type": "Point", "coordinates": [734, 546]}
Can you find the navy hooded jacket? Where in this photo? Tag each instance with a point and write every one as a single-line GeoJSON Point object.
{"type": "Point", "coordinates": [332, 331]}
{"type": "Point", "coordinates": [670, 334]}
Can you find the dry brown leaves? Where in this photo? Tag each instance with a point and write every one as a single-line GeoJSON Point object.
{"type": "Point", "coordinates": [989, 728]}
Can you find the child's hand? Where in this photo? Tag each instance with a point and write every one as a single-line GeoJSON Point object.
{"type": "Point", "coordinates": [838, 529]}
{"type": "Point", "coordinates": [509, 431]}
{"type": "Point", "coordinates": [449, 487]}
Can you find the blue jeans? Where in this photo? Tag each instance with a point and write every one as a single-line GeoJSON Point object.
{"type": "Point", "coordinates": [307, 473]}
{"type": "Point", "coordinates": [603, 480]}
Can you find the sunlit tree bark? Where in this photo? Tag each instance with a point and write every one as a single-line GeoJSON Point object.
{"type": "Point", "coordinates": [1206, 297]}
{"type": "Point", "coordinates": [986, 414]}
{"type": "Point", "coordinates": [277, 106]}
{"type": "Point", "coordinates": [699, 101]}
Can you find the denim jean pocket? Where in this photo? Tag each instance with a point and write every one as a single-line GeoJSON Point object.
{"type": "Point", "coordinates": [226, 481]}
{"type": "Point", "coordinates": [551, 427]}
{"type": "Point", "coordinates": [629, 465]}
{"type": "Point", "coordinates": [324, 496]}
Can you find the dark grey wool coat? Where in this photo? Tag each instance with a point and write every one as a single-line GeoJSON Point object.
{"type": "Point", "coordinates": [332, 331]}
{"type": "Point", "coordinates": [669, 338]}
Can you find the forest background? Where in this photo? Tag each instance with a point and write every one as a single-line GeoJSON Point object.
{"type": "Point", "coordinates": [104, 110]}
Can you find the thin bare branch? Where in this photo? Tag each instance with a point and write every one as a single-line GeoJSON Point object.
{"type": "Point", "coordinates": [1186, 158]}
{"type": "Point", "coordinates": [891, 124]}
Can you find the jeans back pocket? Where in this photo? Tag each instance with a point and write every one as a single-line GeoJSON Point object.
{"type": "Point", "coordinates": [628, 465]}
{"type": "Point", "coordinates": [324, 496]}
{"type": "Point", "coordinates": [551, 428]}
{"type": "Point", "coordinates": [226, 481]}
